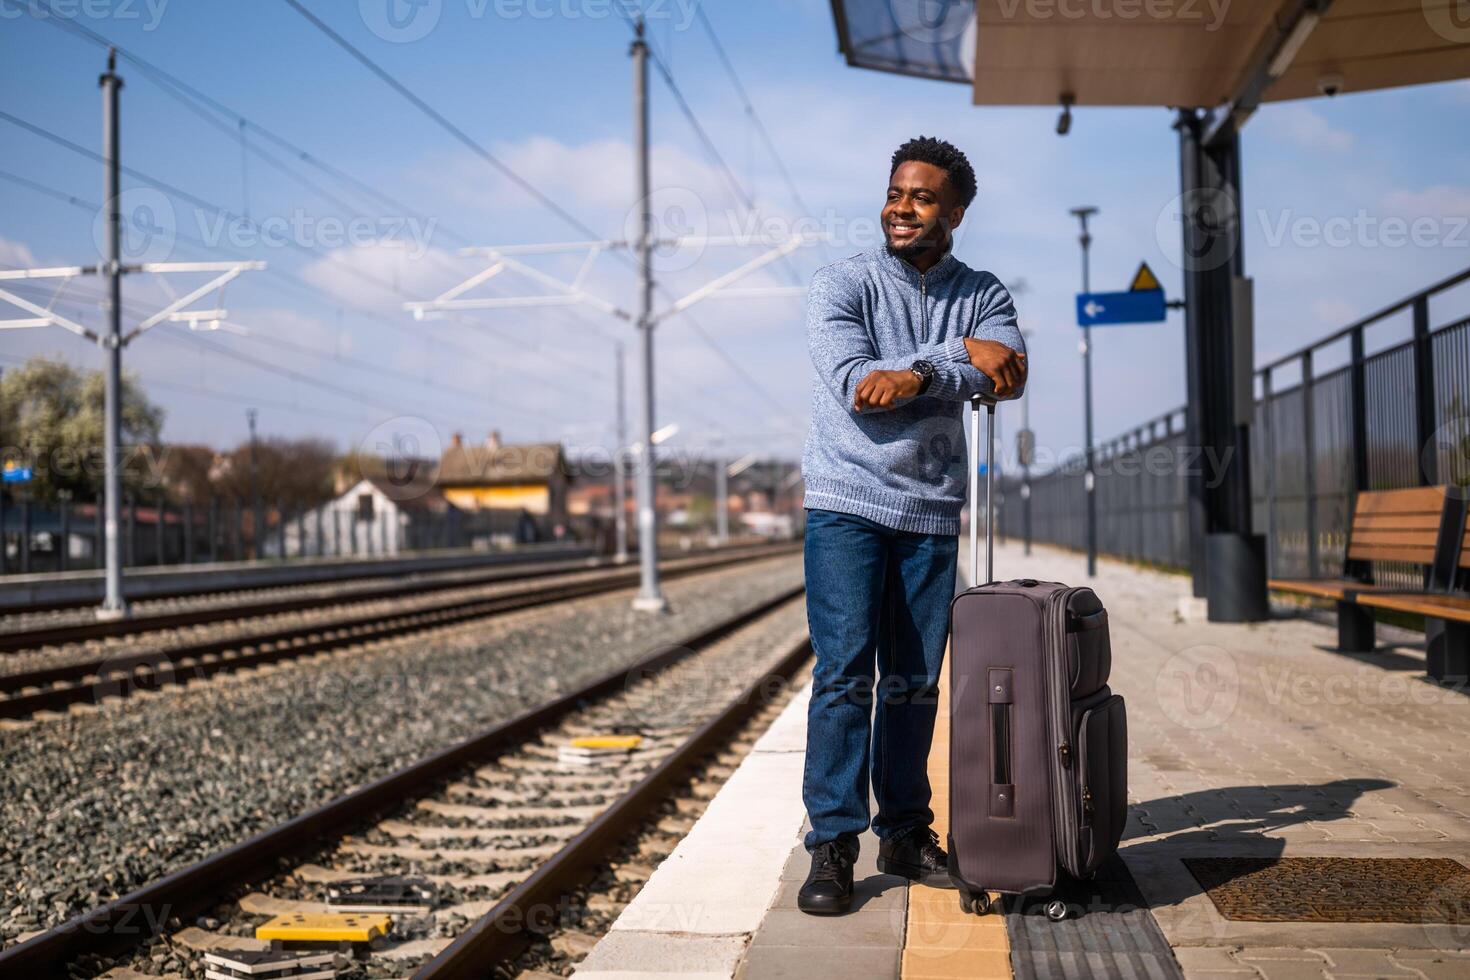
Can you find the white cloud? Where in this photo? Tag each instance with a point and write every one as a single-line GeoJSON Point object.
{"type": "Point", "coordinates": [1307, 128]}
{"type": "Point", "coordinates": [382, 277]}
{"type": "Point", "coordinates": [1438, 201]}
{"type": "Point", "coordinates": [17, 254]}
{"type": "Point", "coordinates": [596, 175]}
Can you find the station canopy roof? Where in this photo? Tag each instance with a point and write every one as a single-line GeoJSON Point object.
{"type": "Point", "coordinates": [1156, 52]}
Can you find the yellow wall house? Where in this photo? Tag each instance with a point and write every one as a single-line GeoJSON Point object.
{"type": "Point", "coordinates": [494, 476]}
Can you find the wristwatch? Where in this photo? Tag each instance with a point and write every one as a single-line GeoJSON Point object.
{"type": "Point", "coordinates": [925, 373]}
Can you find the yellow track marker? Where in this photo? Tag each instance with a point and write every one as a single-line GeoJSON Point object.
{"type": "Point", "coordinates": [625, 742]}
{"type": "Point", "coordinates": [326, 927]}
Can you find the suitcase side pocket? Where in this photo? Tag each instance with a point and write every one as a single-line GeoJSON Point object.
{"type": "Point", "coordinates": [1089, 653]}
{"type": "Point", "coordinates": [1102, 775]}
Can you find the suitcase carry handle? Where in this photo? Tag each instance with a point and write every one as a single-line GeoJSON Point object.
{"type": "Point", "coordinates": [975, 404]}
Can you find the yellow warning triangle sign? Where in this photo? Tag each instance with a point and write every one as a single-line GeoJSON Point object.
{"type": "Point", "coordinates": [1144, 279]}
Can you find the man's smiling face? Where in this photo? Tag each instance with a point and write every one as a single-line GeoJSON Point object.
{"type": "Point", "coordinates": [921, 211]}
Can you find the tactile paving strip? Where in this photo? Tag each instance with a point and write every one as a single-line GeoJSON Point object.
{"type": "Point", "coordinates": [1109, 933]}
{"type": "Point", "coordinates": [1317, 889]}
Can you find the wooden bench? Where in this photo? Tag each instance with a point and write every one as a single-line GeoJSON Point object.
{"type": "Point", "coordinates": [1422, 526]}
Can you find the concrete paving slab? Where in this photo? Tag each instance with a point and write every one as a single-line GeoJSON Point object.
{"type": "Point", "coordinates": [810, 962]}
{"type": "Point", "coordinates": [862, 928]}
{"type": "Point", "coordinates": [627, 955]}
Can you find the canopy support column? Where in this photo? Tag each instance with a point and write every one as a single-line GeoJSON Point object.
{"type": "Point", "coordinates": [1227, 561]}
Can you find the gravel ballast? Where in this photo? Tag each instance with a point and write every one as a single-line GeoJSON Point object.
{"type": "Point", "coordinates": [95, 804]}
{"type": "Point", "coordinates": [517, 800]}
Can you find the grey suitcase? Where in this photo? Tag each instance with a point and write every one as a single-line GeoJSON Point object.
{"type": "Point", "coordinates": [1038, 742]}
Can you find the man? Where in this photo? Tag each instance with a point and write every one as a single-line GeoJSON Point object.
{"type": "Point", "coordinates": [901, 337]}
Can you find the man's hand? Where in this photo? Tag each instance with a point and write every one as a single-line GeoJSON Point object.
{"type": "Point", "coordinates": [880, 389]}
{"type": "Point", "coordinates": [1005, 368]}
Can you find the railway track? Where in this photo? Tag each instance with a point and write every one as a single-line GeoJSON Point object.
{"type": "Point", "coordinates": [92, 678]}
{"type": "Point", "coordinates": [156, 614]}
{"type": "Point", "coordinates": [500, 828]}
{"type": "Point", "coordinates": [294, 574]}
{"type": "Point", "coordinates": [311, 596]}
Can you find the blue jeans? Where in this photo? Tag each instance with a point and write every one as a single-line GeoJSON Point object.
{"type": "Point", "coordinates": [877, 603]}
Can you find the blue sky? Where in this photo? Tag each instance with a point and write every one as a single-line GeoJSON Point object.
{"type": "Point", "coordinates": [546, 87]}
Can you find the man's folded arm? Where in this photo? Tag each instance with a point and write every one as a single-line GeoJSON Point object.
{"type": "Point", "coordinates": [955, 377]}
{"type": "Point", "coordinates": [842, 350]}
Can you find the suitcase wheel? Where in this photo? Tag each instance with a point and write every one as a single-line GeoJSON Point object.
{"type": "Point", "coordinates": [1056, 910]}
{"type": "Point", "coordinates": [975, 904]}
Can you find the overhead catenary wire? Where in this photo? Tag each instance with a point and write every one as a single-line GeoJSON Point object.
{"type": "Point", "coordinates": [710, 150]}
{"type": "Point", "coordinates": [222, 212]}
{"type": "Point", "coordinates": [84, 204]}
{"type": "Point", "coordinates": [388, 78]}
{"type": "Point", "coordinates": [751, 113]}
{"type": "Point", "coordinates": [183, 91]}
{"type": "Point", "coordinates": [277, 342]}
{"type": "Point", "coordinates": [202, 392]}
{"type": "Point", "coordinates": [428, 110]}
{"type": "Point", "coordinates": [192, 98]}
{"type": "Point", "coordinates": [182, 336]}
{"type": "Point", "coordinates": [438, 385]}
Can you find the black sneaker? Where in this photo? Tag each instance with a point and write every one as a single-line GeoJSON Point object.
{"type": "Point", "coordinates": [915, 854]}
{"type": "Point", "coordinates": [828, 887]}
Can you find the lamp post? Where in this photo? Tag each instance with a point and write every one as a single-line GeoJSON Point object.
{"type": "Point", "coordinates": [1089, 478]}
{"type": "Point", "coordinates": [1025, 449]}
{"type": "Point", "coordinates": [114, 606]}
{"type": "Point", "coordinates": [620, 475]}
{"type": "Point", "coordinates": [250, 416]}
{"type": "Point", "coordinates": [649, 598]}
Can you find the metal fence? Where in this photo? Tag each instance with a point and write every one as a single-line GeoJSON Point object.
{"type": "Point", "coordinates": [1397, 417]}
{"type": "Point", "coordinates": [67, 535]}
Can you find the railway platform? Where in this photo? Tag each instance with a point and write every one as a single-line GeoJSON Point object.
{"type": "Point", "coordinates": [1294, 812]}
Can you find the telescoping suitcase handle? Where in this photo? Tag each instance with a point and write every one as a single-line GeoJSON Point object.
{"type": "Point", "coordinates": [975, 404]}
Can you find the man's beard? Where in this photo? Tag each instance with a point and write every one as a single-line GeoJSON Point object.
{"type": "Point", "coordinates": [915, 248]}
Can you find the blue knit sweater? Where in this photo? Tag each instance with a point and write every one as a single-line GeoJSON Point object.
{"type": "Point", "coordinates": [905, 466]}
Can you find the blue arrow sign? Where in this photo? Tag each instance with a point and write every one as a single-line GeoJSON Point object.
{"type": "Point", "coordinates": [18, 474]}
{"type": "Point", "coordinates": [1135, 306]}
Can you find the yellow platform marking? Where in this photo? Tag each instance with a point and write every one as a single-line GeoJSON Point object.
{"type": "Point", "coordinates": [607, 741]}
{"type": "Point", "coordinates": [326, 927]}
{"type": "Point", "coordinates": [942, 941]}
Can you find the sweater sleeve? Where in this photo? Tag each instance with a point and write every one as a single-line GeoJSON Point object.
{"type": "Point", "coordinates": [955, 378]}
{"type": "Point", "coordinates": [842, 350]}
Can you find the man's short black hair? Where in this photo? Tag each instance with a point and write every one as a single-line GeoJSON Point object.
{"type": "Point", "coordinates": [945, 156]}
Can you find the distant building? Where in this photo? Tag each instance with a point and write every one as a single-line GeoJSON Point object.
{"type": "Point", "coordinates": [368, 519]}
{"type": "Point", "coordinates": [529, 477]}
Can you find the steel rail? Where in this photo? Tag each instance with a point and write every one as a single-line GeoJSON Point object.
{"type": "Point", "coordinates": [464, 562]}
{"type": "Point", "coordinates": [136, 917]}
{"type": "Point", "coordinates": [31, 639]}
{"type": "Point", "coordinates": [501, 934]}
{"type": "Point", "coordinates": [123, 674]}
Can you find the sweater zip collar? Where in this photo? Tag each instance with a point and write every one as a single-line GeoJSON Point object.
{"type": "Point", "coordinates": [940, 271]}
